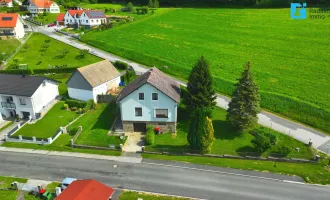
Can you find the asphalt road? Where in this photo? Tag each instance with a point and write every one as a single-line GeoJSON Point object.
{"type": "Point", "coordinates": [160, 179]}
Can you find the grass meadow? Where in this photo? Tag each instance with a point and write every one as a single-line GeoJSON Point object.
{"type": "Point", "coordinates": [290, 58]}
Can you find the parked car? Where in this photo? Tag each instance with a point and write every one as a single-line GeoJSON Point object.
{"type": "Point", "coordinates": [51, 25]}
{"type": "Point", "coordinates": [66, 182]}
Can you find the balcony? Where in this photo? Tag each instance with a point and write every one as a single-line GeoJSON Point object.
{"type": "Point", "coordinates": [7, 34]}
{"type": "Point", "coordinates": [8, 105]}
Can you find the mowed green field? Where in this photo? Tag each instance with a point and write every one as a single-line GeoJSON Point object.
{"type": "Point", "coordinates": [37, 57]}
{"type": "Point", "coordinates": [290, 58]}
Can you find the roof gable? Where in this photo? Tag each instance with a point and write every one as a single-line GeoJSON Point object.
{"type": "Point", "coordinates": [42, 3]}
{"type": "Point", "coordinates": [73, 12]}
{"type": "Point", "coordinates": [99, 73]}
{"type": "Point", "coordinates": [60, 17]}
{"type": "Point", "coordinates": [157, 79]}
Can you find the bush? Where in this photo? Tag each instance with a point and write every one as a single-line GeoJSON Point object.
{"type": "Point", "coordinates": [65, 106]}
{"type": "Point", "coordinates": [74, 109]}
{"type": "Point", "coordinates": [145, 10]}
{"type": "Point", "coordinates": [121, 65]}
{"type": "Point", "coordinates": [16, 71]}
{"type": "Point", "coordinates": [54, 70]}
{"type": "Point", "coordinates": [283, 149]}
{"type": "Point", "coordinates": [149, 139]}
{"type": "Point", "coordinates": [90, 105]}
{"type": "Point", "coordinates": [261, 143]}
{"type": "Point", "coordinates": [75, 103]}
{"type": "Point", "coordinates": [80, 111]}
{"type": "Point", "coordinates": [273, 137]}
{"type": "Point", "coordinates": [130, 7]}
{"type": "Point", "coordinates": [73, 131]}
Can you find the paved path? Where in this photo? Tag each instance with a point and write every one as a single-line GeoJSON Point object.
{"type": "Point", "coordinates": [293, 129]}
{"type": "Point", "coordinates": [204, 183]}
{"type": "Point", "coordinates": [133, 143]}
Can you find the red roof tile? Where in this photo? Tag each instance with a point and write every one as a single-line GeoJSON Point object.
{"type": "Point", "coordinates": [8, 20]}
{"type": "Point", "coordinates": [60, 17]}
{"type": "Point", "coordinates": [86, 190]}
{"type": "Point", "coordinates": [42, 3]}
{"type": "Point", "coordinates": [5, 1]}
{"type": "Point", "coordinates": [73, 12]}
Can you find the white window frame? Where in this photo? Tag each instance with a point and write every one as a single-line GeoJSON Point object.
{"type": "Point", "coordinates": [155, 116]}
{"type": "Point", "coordinates": [141, 112]}
{"type": "Point", "coordinates": [152, 96]}
{"type": "Point", "coordinates": [22, 101]}
{"type": "Point", "coordinates": [143, 96]}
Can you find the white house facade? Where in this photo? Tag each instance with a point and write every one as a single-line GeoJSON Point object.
{"type": "Point", "coordinates": [41, 6]}
{"type": "Point", "coordinates": [151, 99]}
{"type": "Point", "coordinates": [85, 18]}
{"type": "Point", "coordinates": [28, 101]}
{"type": "Point", "coordinates": [90, 81]}
{"type": "Point", "coordinates": [11, 25]}
{"type": "Point", "coordinates": [6, 3]}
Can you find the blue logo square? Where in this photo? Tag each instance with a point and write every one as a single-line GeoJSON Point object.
{"type": "Point", "coordinates": [296, 13]}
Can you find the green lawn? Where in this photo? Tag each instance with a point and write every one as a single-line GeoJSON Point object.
{"type": "Point", "coordinates": [6, 126]}
{"type": "Point", "coordinates": [62, 143]}
{"type": "Point", "coordinates": [127, 195]}
{"type": "Point", "coordinates": [49, 124]}
{"type": "Point", "coordinates": [96, 125]}
{"type": "Point", "coordinates": [8, 46]}
{"type": "Point", "coordinates": [51, 187]}
{"type": "Point", "coordinates": [228, 141]}
{"type": "Point", "coordinates": [5, 183]}
{"type": "Point", "coordinates": [289, 57]}
{"type": "Point", "coordinates": [49, 18]}
{"type": "Point", "coordinates": [38, 58]}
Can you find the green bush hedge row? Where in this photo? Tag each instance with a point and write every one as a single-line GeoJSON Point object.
{"type": "Point", "coordinates": [149, 139]}
{"type": "Point", "coordinates": [75, 103]}
{"type": "Point", "coordinates": [37, 71]}
{"type": "Point", "coordinates": [120, 65]}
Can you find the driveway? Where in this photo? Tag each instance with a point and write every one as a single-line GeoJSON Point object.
{"type": "Point", "coordinates": [285, 126]}
{"type": "Point", "coordinates": [133, 143]}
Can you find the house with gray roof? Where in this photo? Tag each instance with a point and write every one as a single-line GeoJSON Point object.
{"type": "Point", "coordinates": [26, 96]}
{"type": "Point", "coordinates": [151, 99]}
{"type": "Point", "coordinates": [92, 80]}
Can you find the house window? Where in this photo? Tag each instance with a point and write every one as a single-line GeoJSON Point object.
{"type": "Point", "coordinates": [138, 112]}
{"type": "Point", "coordinates": [92, 20]}
{"type": "Point", "coordinates": [86, 21]}
{"type": "Point", "coordinates": [141, 96]}
{"type": "Point", "coordinates": [154, 96]}
{"type": "Point", "coordinates": [22, 101]}
{"type": "Point", "coordinates": [97, 20]}
{"type": "Point", "coordinates": [161, 113]}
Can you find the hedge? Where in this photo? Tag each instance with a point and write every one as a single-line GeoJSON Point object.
{"type": "Point", "coordinates": [149, 139]}
{"type": "Point", "coordinates": [54, 70]}
{"type": "Point", "coordinates": [75, 103]}
{"type": "Point", "coordinates": [16, 71]}
{"type": "Point", "coordinates": [120, 65]}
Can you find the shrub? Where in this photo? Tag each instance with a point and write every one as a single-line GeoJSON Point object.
{"type": "Point", "coordinates": [145, 10]}
{"type": "Point", "coordinates": [16, 71]}
{"type": "Point", "coordinates": [54, 70]}
{"type": "Point", "coordinates": [73, 131]}
{"type": "Point", "coordinates": [80, 111]}
{"type": "Point", "coordinates": [130, 7]}
{"type": "Point", "coordinates": [65, 106]}
{"type": "Point", "coordinates": [273, 137]}
{"type": "Point", "coordinates": [283, 149]}
{"type": "Point", "coordinates": [74, 109]}
{"type": "Point", "coordinates": [75, 103]}
{"type": "Point", "coordinates": [129, 76]}
{"type": "Point", "coordinates": [261, 143]}
{"type": "Point", "coordinates": [121, 65]}
{"type": "Point", "coordinates": [90, 105]}
{"type": "Point", "coordinates": [149, 139]}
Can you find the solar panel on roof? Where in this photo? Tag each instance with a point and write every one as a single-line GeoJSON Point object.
{"type": "Point", "coordinates": [7, 18]}
{"type": "Point", "coordinates": [96, 14]}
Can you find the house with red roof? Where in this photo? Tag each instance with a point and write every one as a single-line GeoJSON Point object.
{"type": "Point", "coordinates": [86, 190]}
{"type": "Point", "coordinates": [41, 6]}
{"type": "Point", "coordinates": [11, 25]}
{"type": "Point", "coordinates": [7, 3]}
{"type": "Point", "coordinates": [85, 18]}
{"type": "Point", "coordinates": [60, 19]}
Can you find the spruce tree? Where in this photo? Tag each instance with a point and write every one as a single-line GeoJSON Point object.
{"type": "Point", "coordinates": [156, 4]}
{"type": "Point", "coordinates": [207, 138]}
{"type": "Point", "coordinates": [245, 103]}
{"type": "Point", "coordinates": [200, 91]}
{"type": "Point", "coordinates": [196, 128]}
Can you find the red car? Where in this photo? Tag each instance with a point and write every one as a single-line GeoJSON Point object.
{"type": "Point", "coordinates": [51, 25]}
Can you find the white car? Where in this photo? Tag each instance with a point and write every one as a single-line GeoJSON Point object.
{"type": "Point", "coordinates": [66, 182]}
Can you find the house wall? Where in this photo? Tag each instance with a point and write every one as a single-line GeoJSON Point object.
{"type": "Point", "coordinates": [103, 88]}
{"type": "Point", "coordinates": [80, 94]}
{"type": "Point", "coordinates": [69, 20]}
{"type": "Point", "coordinates": [28, 107]}
{"type": "Point", "coordinates": [130, 102]}
{"type": "Point", "coordinates": [54, 8]}
{"type": "Point", "coordinates": [1, 120]}
{"type": "Point", "coordinates": [44, 95]}
{"type": "Point", "coordinates": [19, 29]}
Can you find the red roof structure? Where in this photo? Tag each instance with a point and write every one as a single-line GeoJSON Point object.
{"type": "Point", "coordinates": [5, 1]}
{"type": "Point", "coordinates": [73, 12]}
{"type": "Point", "coordinates": [60, 17]}
{"type": "Point", "coordinates": [8, 20]}
{"type": "Point", "coordinates": [86, 190]}
{"type": "Point", "coordinates": [42, 3]}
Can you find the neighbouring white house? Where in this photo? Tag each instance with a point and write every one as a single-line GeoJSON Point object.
{"type": "Point", "coordinates": [41, 6]}
{"type": "Point", "coordinates": [7, 3]}
{"type": "Point", "coordinates": [151, 99]}
{"type": "Point", "coordinates": [92, 80]}
{"type": "Point", "coordinates": [26, 96]}
{"type": "Point", "coordinates": [11, 25]}
{"type": "Point", "coordinates": [60, 19]}
{"type": "Point", "coordinates": [85, 18]}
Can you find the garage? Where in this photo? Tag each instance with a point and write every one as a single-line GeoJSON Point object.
{"type": "Point", "coordinates": [26, 115]}
{"type": "Point", "coordinates": [139, 127]}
